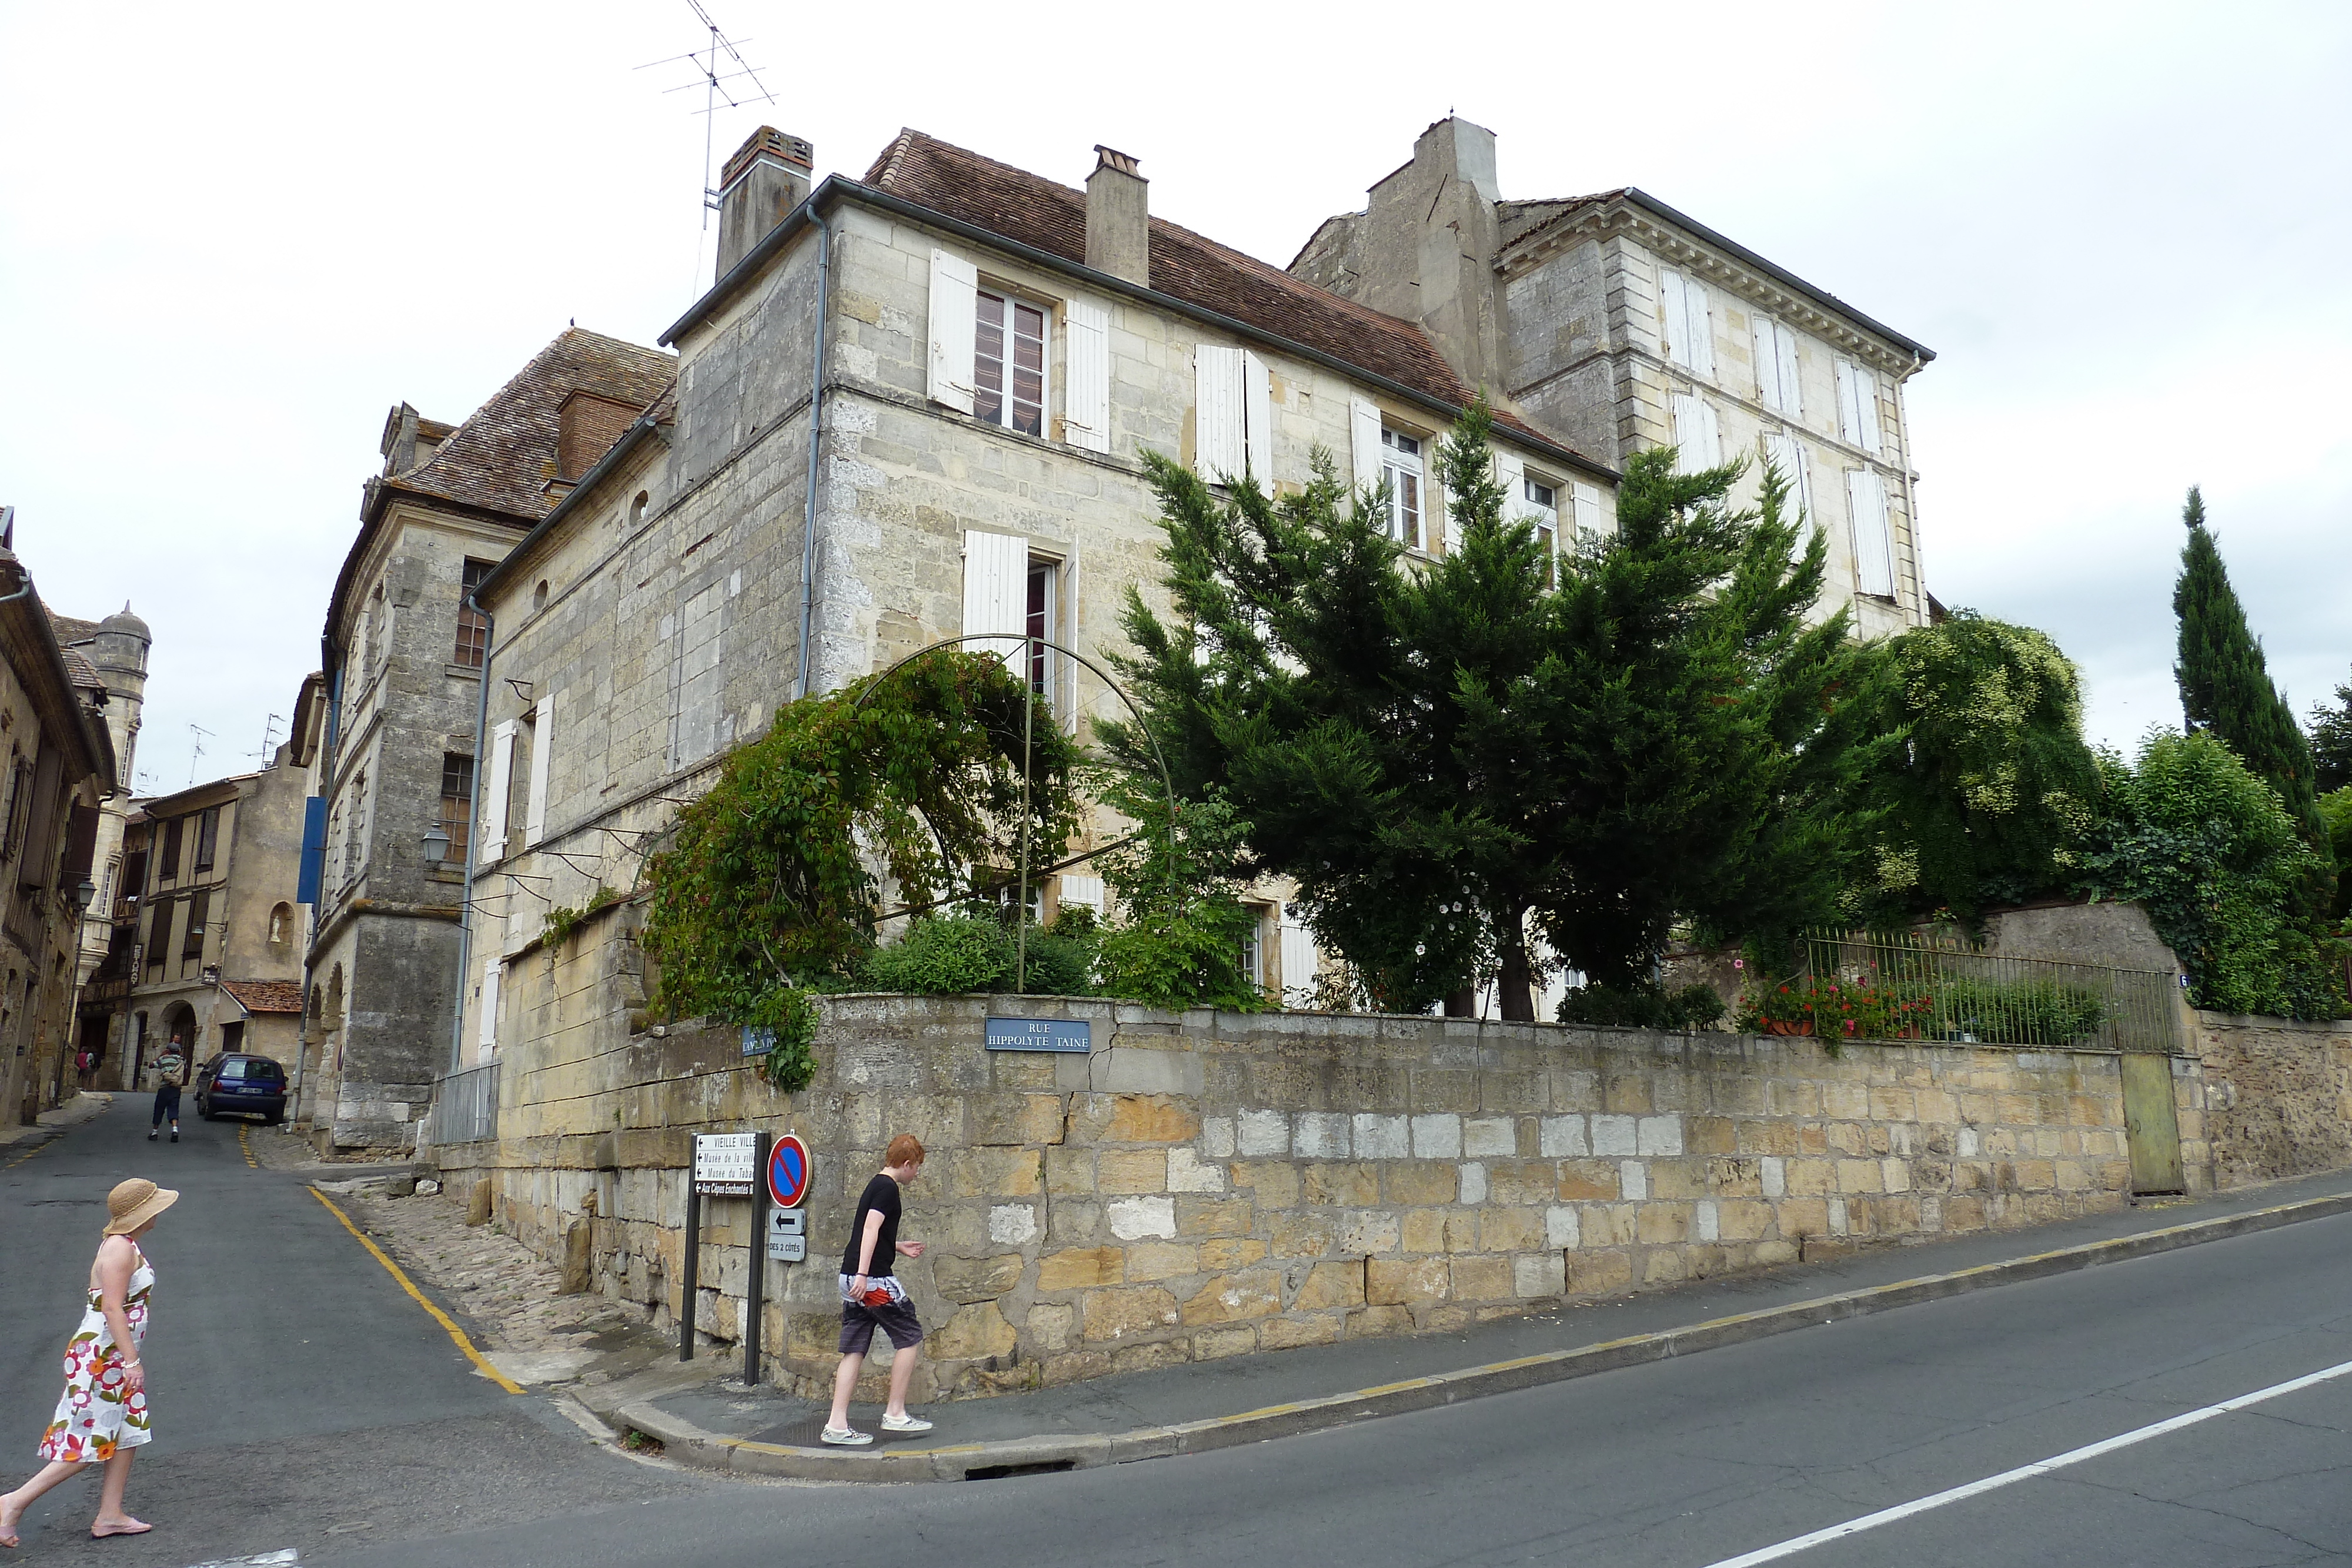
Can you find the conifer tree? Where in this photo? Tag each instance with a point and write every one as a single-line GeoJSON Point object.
{"type": "Point", "coordinates": [2331, 742]}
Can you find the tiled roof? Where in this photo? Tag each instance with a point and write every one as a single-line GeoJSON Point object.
{"type": "Point", "coordinates": [1522, 221]}
{"type": "Point", "coordinates": [502, 456]}
{"type": "Point", "coordinates": [69, 630]}
{"type": "Point", "coordinates": [267, 995]}
{"type": "Point", "coordinates": [80, 671]}
{"type": "Point", "coordinates": [1038, 213]}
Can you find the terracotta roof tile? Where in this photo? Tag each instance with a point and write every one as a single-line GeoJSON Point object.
{"type": "Point", "coordinates": [267, 995]}
{"type": "Point", "coordinates": [69, 630]}
{"type": "Point", "coordinates": [1038, 213]}
{"type": "Point", "coordinates": [80, 671]}
{"type": "Point", "coordinates": [502, 456]}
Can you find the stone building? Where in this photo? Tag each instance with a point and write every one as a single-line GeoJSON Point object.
{"type": "Point", "coordinates": [61, 766]}
{"type": "Point", "coordinates": [209, 906]}
{"type": "Point", "coordinates": [115, 651]}
{"type": "Point", "coordinates": [1618, 323]}
{"type": "Point", "coordinates": [999, 350]}
{"type": "Point", "coordinates": [403, 657]}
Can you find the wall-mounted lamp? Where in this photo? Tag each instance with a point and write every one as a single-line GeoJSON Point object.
{"type": "Point", "coordinates": [212, 974]}
{"type": "Point", "coordinates": [436, 844]}
{"type": "Point", "coordinates": [85, 894]}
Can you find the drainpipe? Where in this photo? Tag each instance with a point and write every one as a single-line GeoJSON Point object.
{"type": "Point", "coordinates": [473, 836]}
{"type": "Point", "coordinates": [816, 434]}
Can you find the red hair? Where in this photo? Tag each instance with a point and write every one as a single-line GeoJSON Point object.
{"type": "Point", "coordinates": [904, 1150]}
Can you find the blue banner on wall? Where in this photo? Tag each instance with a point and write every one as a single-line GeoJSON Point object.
{"type": "Point", "coordinates": [314, 850]}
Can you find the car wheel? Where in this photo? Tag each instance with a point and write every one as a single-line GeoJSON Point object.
{"type": "Point", "coordinates": [204, 1110]}
{"type": "Point", "coordinates": [272, 1118]}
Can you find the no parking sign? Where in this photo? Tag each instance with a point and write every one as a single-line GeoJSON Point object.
{"type": "Point", "coordinates": [788, 1171]}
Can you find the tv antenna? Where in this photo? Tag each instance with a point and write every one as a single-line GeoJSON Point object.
{"type": "Point", "coordinates": [197, 752]}
{"type": "Point", "coordinates": [720, 51]}
{"type": "Point", "coordinates": [269, 734]}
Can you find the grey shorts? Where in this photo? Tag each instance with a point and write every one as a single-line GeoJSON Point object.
{"type": "Point", "coordinates": [859, 1320]}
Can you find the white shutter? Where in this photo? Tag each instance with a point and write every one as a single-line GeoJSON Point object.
{"type": "Point", "coordinates": [1086, 395]}
{"type": "Point", "coordinates": [1849, 411]}
{"type": "Point", "coordinates": [542, 753]}
{"type": "Point", "coordinates": [494, 799]}
{"type": "Point", "coordinates": [1686, 433]}
{"type": "Point", "coordinates": [486, 1034]}
{"type": "Point", "coordinates": [1218, 448]}
{"type": "Point", "coordinates": [1674, 306]}
{"type": "Point", "coordinates": [1784, 355]}
{"type": "Point", "coordinates": [1699, 330]}
{"type": "Point", "coordinates": [996, 592]}
{"type": "Point", "coordinates": [1364, 436]}
{"type": "Point", "coordinates": [1865, 409]}
{"type": "Point", "coordinates": [1257, 408]}
{"type": "Point", "coordinates": [955, 288]}
{"type": "Point", "coordinates": [1298, 961]}
{"type": "Point", "coordinates": [1768, 362]}
{"type": "Point", "coordinates": [1588, 511]}
{"type": "Point", "coordinates": [1788, 456]}
{"type": "Point", "coordinates": [1511, 473]}
{"type": "Point", "coordinates": [1874, 548]}
{"type": "Point", "coordinates": [1710, 434]}
{"type": "Point", "coordinates": [1085, 889]}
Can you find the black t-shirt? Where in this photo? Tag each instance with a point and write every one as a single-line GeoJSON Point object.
{"type": "Point", "coordinates": [880, 1196]}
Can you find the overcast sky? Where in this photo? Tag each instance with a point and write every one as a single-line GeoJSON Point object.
{"type": "Point", "coordinates": [232, 237]}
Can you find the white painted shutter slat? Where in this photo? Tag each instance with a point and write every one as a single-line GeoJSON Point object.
{"type": "Point", "coordinates": [1218, 448]}
{"type": "Point", "coordinates": [1674, 306]}
{"type": "Point", "coordinates": [1511, 472]}
{"type": "Point", "coordinates": [1364, 437]}
{"type": "Point", "coordinates": [1849, 421]}
{"type": "Point", "coordinates": [1686, 433]}
{"type": "Point", "coordinates": [955, 288]}
{"type": "Point", "coordinates": [487, 1034]}
{"type": "Point", "coordinates": [1085, 889]}
{"type": "Point", "coordinates": [1866, 407]}
{"type": "Point", "coordinates": [1784, 355]}
{"type": "Point", "coordinates": [1298, 961]}
{"type": "Point", "coordinates": [1707, 435]}
{"type": "Point", "coordinates": [1768, 363]}
{"type": "Point", "coordinates": [1588, 511]}
{"type": "Point", "coordinates": [1874, 549]}
{"type": "Point", "coordinates": [996, 592]}
{"type": "Point", "coordinates": [1700, 329]}
{"type": "Point", "coordinates": [542, 754]}
{"type": "Point", "coordinates": [494, 801]}
{"type": "Point", "coordinates": [1086, 405]}
{"type": "Point", "coordinates": [1257, 425]}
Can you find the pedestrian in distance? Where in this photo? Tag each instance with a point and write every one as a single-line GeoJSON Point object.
{"type": "Point", "coordinates": [102, 1417]}
{"type": "Point", "coordinates": [168, 1067]}
{"type": "Point", "coordinates": [872, 1298]}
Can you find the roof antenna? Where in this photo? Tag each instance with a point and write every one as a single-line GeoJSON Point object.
{"type": "Point", "coordinates": [197, 754]}
{"type": "Point", "coordinates": [719, 50]}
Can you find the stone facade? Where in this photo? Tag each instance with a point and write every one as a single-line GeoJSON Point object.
{"type": "Point", "coordinates": [1205, 1185]}
{"type": "Point", "coordinates": [116, 650]}
{"type": "Point", "coordinates": [2278, 1095]}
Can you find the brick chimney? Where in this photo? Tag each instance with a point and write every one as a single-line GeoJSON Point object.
{"type": "Point", "coordinates": [764, 181]}
{"type": "Point", "coordinates": [1119, 218]}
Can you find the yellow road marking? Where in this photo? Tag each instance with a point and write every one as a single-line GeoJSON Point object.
{"type": "Point", "coordinates": [456, 1334]}
{"type": "Point", "coordinates": [241, 1130]}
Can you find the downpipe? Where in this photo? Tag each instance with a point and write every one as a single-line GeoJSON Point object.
{"type": "Point", "coordinates": [816, 436]}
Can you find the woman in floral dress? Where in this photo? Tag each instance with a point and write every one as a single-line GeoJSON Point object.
{"type": "Point", "coordinates": [103, 1418]}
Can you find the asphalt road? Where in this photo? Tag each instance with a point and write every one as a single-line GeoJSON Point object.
{"type": "Point", "coordinates": [301, 1400]}
{"type": "Point", "coordinates": [266, 1442]}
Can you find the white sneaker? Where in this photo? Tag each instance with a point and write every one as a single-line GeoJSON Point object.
{"type": "Point", "coordinates": [905, 1423]}
{"type": "Point", "coordinates": [845, 1437]}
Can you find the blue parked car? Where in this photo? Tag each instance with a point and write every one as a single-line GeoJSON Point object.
{"type": "Point", "coordinates": [240, 1086]}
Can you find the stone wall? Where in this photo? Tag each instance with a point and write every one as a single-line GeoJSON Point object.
{"type": "Point", "coordinates": [2278, 1095]}
{"type": "Point", "coordinates": [1205, 1185]}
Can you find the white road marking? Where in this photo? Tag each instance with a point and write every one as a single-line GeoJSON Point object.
{"type": "Point", "coordinates": [2027, 1472]}
{"type": "Point", "coordinates": [262, 1560]}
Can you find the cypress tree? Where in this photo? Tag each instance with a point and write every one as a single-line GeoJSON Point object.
{"type": "Point", "coordinates": [2331, 742]}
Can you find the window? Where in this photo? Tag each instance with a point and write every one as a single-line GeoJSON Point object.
{"type": "Point", "coordinates": [1400, 466]}
{"type": "Point", "coordinates": [1874, 543]}
{"type": "Point", "coordinates": [1857, 390]}
{"type": "Point", "coordinates": [173, 832]}
{"type": "Point", "coordinates": [538, 597]}
{"type": "Point", "coordinates": [1009, 362]}
{"type": "Point", "coordinates": [542, 761]}
{"type": "Point", "coordinates": [1689, 332]}
{"type": "Point", "coordinates": [1698, 439]}
{"type": "Point", "coordinates": [1254, 946]}
{"type": "Point", "coordinates": [378, 631]}
{"type": "Point", "coordinates": [354, 841]}
{"type": "Point", "coordinates": [457, 804]}
{"type": "Point", "coordinates": [159, 937]}
{"type": "Point", "coordinates": [1782, 451]}
{"type": "Point", "coordinates": [20, 803]}
{"type": "Point", "coordinates": [1039, 626]}
{"type": "Point", "coordinates": [1588, 510]}
{"type": "Point", "coordinates": [473, 626]}
{"type": "Point", "coordinates": [637, 505]}
{"type": "Point", "coordinates": [192, 946]}
{"type": "Point", "coordinates": [1542, 510]}
{"type": "Point", "coordinates": [207, 838]}
{"type": "Point", "coordinates": [1776, 367]}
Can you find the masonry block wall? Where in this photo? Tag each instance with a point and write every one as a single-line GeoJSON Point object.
{"type": "Point", "coordinates": [2278, 1095]}
{"type": "Point", "coordinates": [1206, 1184]}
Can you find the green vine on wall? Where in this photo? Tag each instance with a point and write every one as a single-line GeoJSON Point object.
{"type": "Point", "coordinates": [563, 920]}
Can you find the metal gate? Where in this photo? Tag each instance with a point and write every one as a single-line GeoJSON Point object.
{"type": "Point", "coordinates": [2151, 1131]}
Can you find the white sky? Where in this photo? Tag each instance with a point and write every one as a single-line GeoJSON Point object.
{"type": "Point", "coordinates": [230, 238]}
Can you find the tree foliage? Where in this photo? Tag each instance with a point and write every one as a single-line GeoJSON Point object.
{"type": "Point", "coordinates": [772, 880]}
{"type": "Point", "coordinates": [2225, 684]}
{"type": "Point", "coordinates": [2331, 746]}
{"type": "Point", "coordinates": [2213, 854]}
{"type": "Point", "coordinates": [1179, 940]}
{"type": "Point", "coordinates": [1990, 798]}
{"type": "Point", "coordinates": [1435, 752]}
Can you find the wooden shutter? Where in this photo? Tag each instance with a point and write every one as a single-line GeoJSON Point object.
{"type": "Point", "coordinates": [543, 752]}
{"type": "Point", "coordinates": [1768, 362]}
{"type": "Point", "coordinates": [1784, 356]}
{"type": "Point", "coordinates": [486, 1035]}
{"type": "Point", "coordinates": [1588, 511]}
{"type": "Point", "coordinates": [1849, 413]}
{"type": "Point", "coordinates": [1086, 397]}
{"type": "Point", "coordinates": [1084, 890]}
{"type": "Point", "coordinates": [1686, 433]}
{"type": "Point", "coordinates": [1673, 302]}
{"type": "Point", "coordinates": [996, 592]}
{"type": "Point", "coordinates": [1218, 447]}
{"type": "Point", "coordinates": [955, 289]}
{"type": "Point", "coordinates": [1874, 549]}
{"type": "Point", "coordinates": [1788, 454]}
{"type": "Point", "coordinates": [1865, 409]}
{"type": "Point", "coordinates": [1298, 959]}
{"type": "Point", "coordinates": [1698, 328]}
{"type": "Point", "coordinates": [493, 802]}
{"type": "Point", "coordinates": [1511, 473]}
{"type": "Point", "coordinates": [1257, 418]}
{"type": "Point", "coordinates": [1364, 437]}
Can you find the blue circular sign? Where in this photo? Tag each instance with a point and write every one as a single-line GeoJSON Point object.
{"type": "Point", "coordinates": [788, 1171]}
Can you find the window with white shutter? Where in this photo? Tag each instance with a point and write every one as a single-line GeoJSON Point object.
{"type": "Point", "coordinates": [1082, 890]}
{"type": "Point", "coordinates": [1257, 418]}
{"type": "Point", "coordinates": [1219, 443]}
{"type": "Point", "coordinates": [1511, 473]}
{"type": "Point", "coordinates": [1697, 436]}
{"type": "Point", "coordinates": [1787, 454]}
{"type": "Point", "coordinates": [1539, 504]}
{"type": "Point", "coordinates": [955, 286]}
{"type": "Point", "coordinates": [1041, 620]}
{"type": "Point", "coordinates": [1298, 959]}
{"type": "Point", "coordinates": [1588, 511]}
{"type": "Point", "coordinates": [1873, 542]}
{"type": "Point", "coordinates": [996, 592]}
{"type": "Point", "coordinates": [1401, 465]}
{"type": "Point", "coordinates": [1776, 367]}
{"type": "Point", "coordinates": [1364, 442]}
{"type": "Point", "coordinates": [1857, 388]}
{"type": "Point", "coordinates": [543, 752]}
{"type": "Point", "coordinates": [1689, 329]}
{"type": "Point", "coordinates": [1085, 396]}
{"type": "Point", "coordinates": [1008, 375]}
{"type": "Point", "coordinates": [493, 802]}
{"type": "Point", "coordinates": [487, 1034]}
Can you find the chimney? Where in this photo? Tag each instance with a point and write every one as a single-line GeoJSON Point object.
{"type": "Point", "coordinates": [1119, 218]}
{"type": "Point", "coordinates": [764, 181]}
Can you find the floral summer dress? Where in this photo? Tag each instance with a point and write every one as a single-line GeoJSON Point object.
{"type": "Point", "coordinates": [100, 1411]}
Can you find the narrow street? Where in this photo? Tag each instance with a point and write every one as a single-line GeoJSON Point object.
{"type": "Point", "coordinates": [304, 1401]}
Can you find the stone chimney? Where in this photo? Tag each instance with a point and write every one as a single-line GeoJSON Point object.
{"type": "Point", "coordinates": [1119, 218]}
{"type": "Point", "coordinates": [768, 177]}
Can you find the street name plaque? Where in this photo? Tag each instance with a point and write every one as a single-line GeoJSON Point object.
{"type": "Point", "coordinates": [1040, 1034]}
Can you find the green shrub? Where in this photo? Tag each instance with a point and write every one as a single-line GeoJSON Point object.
{"type": "Point", "coordinates": [2335, 810]}
{"type": "Point", "coordinates": [943, 956]}
{"type": "Point", "coordinates": [2023, 1013]}
{"type": "Point", "coordinates": [1642, 1007]}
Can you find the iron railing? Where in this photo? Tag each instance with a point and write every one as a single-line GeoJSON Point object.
{"type": "Point", "coordinates": [1903, 986]}
{"type": "Point", "coordinates": [465, 1105]}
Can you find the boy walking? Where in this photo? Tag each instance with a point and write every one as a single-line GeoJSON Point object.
{"type": "Point", "coordinates": [168, 1067]}
{"type": "Point", "coordinates": [872, 1298]}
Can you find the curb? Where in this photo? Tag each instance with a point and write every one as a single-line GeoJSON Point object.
{"type": "Point", "coordinates": [691, 1444]}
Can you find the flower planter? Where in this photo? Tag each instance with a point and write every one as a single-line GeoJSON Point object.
{"type": "Point", "coordinates": [1783, 1026]}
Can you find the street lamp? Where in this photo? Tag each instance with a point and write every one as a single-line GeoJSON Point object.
{"type": "Point", "coordinates": [436, 844]}
{"type": "Point", "coordinates": [85, 894]}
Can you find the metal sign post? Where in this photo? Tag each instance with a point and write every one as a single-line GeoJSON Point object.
{"type": "Point", "coordinates": [726, 1165]}
{"type": "Point", "coordinates": [755, 1268]}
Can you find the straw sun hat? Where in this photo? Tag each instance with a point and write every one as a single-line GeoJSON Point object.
{"type": "Point", "coordinates": [135, 1202]}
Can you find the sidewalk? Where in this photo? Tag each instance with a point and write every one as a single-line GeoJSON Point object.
{"type": "Point", "coordinates": [704, 1416]}
{"type": "Point", "coordinates": [73, 1113]}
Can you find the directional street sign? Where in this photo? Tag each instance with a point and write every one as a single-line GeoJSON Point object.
{"type": "Point", "coordinates": [787, 1235]}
